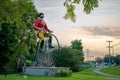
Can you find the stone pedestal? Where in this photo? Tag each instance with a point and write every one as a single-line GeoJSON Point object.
{"type": "Point", "coordinates": [43, 71]}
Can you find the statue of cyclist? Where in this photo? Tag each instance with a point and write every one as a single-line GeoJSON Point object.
{"type": "Point", "coordinates": [42, 31]}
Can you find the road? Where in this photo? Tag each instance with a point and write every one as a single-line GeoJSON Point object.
{"type": "Point", "coordinates": [97, 70]}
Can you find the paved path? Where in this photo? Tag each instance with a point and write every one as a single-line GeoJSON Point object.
{"type": "Point", "coordinates": [97, 70]}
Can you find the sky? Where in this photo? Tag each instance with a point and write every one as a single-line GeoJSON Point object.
{"type": "Point", "coordinates": [93, 29]}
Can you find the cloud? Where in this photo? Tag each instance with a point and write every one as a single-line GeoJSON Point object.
{"type": "Point", "coordinates": [102, 31]}
{"type": "Point", "coordinates": [47, 4]}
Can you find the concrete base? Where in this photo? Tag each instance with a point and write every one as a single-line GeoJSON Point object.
{"type": "Point", "coordinates": [43, 71]}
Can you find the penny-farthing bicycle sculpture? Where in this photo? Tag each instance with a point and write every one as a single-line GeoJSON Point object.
{"type": "Point", "coordinates": [45, 59]}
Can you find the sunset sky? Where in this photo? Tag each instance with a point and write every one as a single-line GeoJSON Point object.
{"type": "Point", "coordinates": [93, 29]}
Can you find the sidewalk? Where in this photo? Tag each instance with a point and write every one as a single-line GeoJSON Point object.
{"type": "Point", "coordinates": [97, 70]}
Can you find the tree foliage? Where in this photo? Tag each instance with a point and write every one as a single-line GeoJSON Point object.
{"type": "Point", "coordinates": [77, 44]}
{"type": "Point", "coordinates": [7, 42]}
{"type": "Point", "coordinates": [70, 5]}
{"type": "Point", "coordinates": [113, 59]}
{"type": "Point", "coordinates": [99, 60]}
{"type": "Point", "coordinates": [69, 57]}
{"type": "Point", "coordinates": [117, 60]}
{"type": "Point", "coordinates": [17, 36]}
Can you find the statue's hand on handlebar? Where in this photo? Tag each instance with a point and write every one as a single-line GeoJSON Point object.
{"type": "Point", "coordinates": [51, 31]}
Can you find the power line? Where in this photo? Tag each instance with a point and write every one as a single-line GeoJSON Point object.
{"type": "Point", "coordinates": [113, 52]}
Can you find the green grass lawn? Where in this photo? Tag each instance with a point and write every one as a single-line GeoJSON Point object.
{"type": "Point", "coordinates": [112, 70]}
{"type": "Point", "coordinates": [83, 75]}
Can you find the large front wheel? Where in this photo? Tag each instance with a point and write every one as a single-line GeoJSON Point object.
{"type": "Point", "coordinates": [45, 59]}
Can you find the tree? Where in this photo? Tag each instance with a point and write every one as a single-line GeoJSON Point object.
{"type": "Point", "coordinates": [67, 57]}
{"type": "Point", "coordinates": [17, 35]}
{"type": "Point", "coordinates": [71, 56]}
{"type": "Point", "coordinates": [77, 45]}
{"type": "Point", "coordinates": [70, 5]}
{"type": "Point", "coordinates": [7, 42]}
{"type": "Point", "coordinates": [99, 60]}
{"type": "Point", "coordinates": [117, 59]}
{"type": "Point", "coordinates": [106, 59]}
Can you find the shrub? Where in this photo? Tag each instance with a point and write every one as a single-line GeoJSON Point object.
{"type": "Point", "coordinates": [63, 74]}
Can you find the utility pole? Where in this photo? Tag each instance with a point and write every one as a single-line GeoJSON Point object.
{"type": "Point", "coordinates": [88, 55]}
{"type": "Point", "coordinates": [109, 51]}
